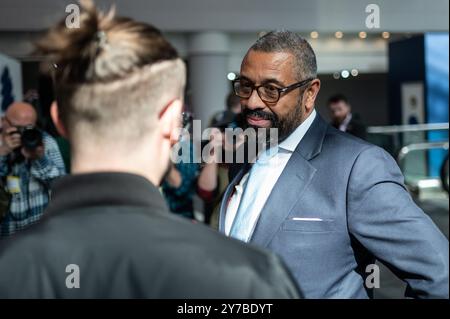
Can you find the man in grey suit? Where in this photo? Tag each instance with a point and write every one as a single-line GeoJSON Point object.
{"type": "Point", "coordinates": [328, 203]}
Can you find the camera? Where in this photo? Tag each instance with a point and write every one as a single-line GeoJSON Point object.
{"type": "Point", "coordinates": [30, 136]}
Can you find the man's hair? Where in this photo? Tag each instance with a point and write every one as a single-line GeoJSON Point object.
{"type": "Point", "coordinates": [337, 98]}
{"type": "Point", "coordinates": [112, 75]}
{"type": "Point", "coordinates": [286, 41]}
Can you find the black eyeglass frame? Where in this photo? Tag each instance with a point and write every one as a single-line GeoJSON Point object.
{"type": "Point", "coordinates": [281, 91]}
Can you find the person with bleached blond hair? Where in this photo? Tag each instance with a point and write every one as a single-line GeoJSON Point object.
{"type": "Point", "coordinates": [119, 86]}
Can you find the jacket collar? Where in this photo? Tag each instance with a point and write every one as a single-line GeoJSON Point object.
{"type": "Point", "coordinates": [291, 142]}
{"type": "Point", "coordinates": [103, 189]}
{"type": "Point", "coordinates": [311, 144]}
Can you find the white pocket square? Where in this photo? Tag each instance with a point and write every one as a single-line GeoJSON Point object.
{"type": "Point", "coordinates": [308, 219]}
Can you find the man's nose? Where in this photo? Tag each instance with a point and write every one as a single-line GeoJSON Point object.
{"type": "Point", "coordinates": [254, 101]}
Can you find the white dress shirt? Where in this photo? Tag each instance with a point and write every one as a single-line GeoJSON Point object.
{"type": "Point", "coordinates": [274, 168]}
{"type": "Point", "coordinates": [343, 126]}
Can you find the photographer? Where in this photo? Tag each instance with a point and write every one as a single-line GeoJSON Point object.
{"type": "Point", "coordinates": [213, 178]}
{"type": "Point", "coordinates": [29, 161]}
{"type": "Point", "coordinates": [179, 184]}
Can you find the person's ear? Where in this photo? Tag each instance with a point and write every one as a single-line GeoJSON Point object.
{"type": "Point", "coordinates": [54, 112]}
{"type": "Point", "coordinates": [311, 94]}
{"type": "Point", "coordinates": [170, 120]}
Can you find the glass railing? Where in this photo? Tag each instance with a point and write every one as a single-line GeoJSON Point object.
{"type": "Point", "coordinates": [421, 151]}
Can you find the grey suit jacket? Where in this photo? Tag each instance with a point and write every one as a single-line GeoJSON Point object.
{"type": "Point", "coordinates": [356, 190]}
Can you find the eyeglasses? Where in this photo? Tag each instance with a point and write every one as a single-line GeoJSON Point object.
{"type": "Point", "coordinates": [267, 92]}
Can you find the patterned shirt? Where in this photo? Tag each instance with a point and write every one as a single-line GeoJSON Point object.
{"type": "Point", "coordinates": [27, 206]}
{"type": "Point", "coordinates": [179, 199]}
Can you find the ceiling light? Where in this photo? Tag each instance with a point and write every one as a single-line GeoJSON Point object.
{"type": "Point", "coordinates": [231, 76]}
{"type": "Point", "coordinates": [345, 74]}
{"type": "Point", "coordinates": [339, 35]}
{"type": "Point", "coordinates": [314, 35]}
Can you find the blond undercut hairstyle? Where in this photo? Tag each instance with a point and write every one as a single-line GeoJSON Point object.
{"type": "Point", "coordinates": [112, 75]}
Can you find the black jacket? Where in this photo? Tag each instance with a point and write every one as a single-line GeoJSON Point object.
{"type": "Point", "coordinates": [115, 228]}
{"type": "Point", "coordinates": [355, 127]}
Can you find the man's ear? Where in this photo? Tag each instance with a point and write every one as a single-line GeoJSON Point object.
{"type": "Point", "coordinates": [170, 120]}
{"type": "Point", "coordinates": [54, 112]}
{"type": "Point", "coordinates": [311, 94]}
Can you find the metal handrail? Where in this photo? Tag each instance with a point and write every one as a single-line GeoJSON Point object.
{"type": "Point", "coordinates": [407, 128]}
{"type": "Point", "coordinates": [405, 150]}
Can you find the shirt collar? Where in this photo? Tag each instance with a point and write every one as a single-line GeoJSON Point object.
{"type": "Point", "coordinates": [347, 120]}
{"type": "Point", "coordinates": [291, 142]}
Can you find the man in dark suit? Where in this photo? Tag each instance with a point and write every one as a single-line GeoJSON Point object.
{"type": "Point", "coordinates": [108, 233]}
{"type": "Point", "coordinates": [342, 117]}
{"type": "Point", "coordinates": [329, 203]}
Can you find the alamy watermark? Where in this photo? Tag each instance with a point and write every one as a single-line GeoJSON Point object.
{"type": "Point", "coordinates": [73, 279]}
{"type": "Point", "coordinates": [373, 17]}
{"type": "Point", "coordinates": [373, 277]}
{"type": "Point", "coordinates": [372, 280]}
{"type": "Point", "coordinates": [230, 145]}
{"type": "Point", "coordinates": [73, 17]}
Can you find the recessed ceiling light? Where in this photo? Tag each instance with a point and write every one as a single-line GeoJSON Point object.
{"type": "Point", "coordinates": [231, 76]}
{"type": "Point", "coordinates": [339, 34]}
{"type": "Point", "coordinates": [314, 35]}
{"type": "Point", "coordinates": [345, 74]}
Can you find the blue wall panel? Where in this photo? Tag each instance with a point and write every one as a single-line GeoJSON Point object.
{"type": "Point", "coordinates": [437, 87]}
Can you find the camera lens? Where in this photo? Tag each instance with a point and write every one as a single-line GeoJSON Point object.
{"type": "Point", "coordinates": [31, 138]}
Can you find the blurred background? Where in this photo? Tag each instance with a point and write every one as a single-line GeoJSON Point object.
{"type": "Point", "coordinates": [394, 74]}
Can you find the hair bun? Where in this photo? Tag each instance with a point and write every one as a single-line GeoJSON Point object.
{"type": "Point", "coordinates": [74, 50]}
{"type": "Point", "coordinates": [104, 48]}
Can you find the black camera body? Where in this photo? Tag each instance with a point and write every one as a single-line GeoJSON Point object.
{"type": "Point", "coordinates": [30, 136]}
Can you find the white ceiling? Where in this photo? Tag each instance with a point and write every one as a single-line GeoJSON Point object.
{"type": "Point", "coordinates": [244, 15]}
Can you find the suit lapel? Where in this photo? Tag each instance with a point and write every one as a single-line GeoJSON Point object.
{"type": "Point", "coordinates": [291, 184]}
{"type": "Point", "coordinates": [289, 188]}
